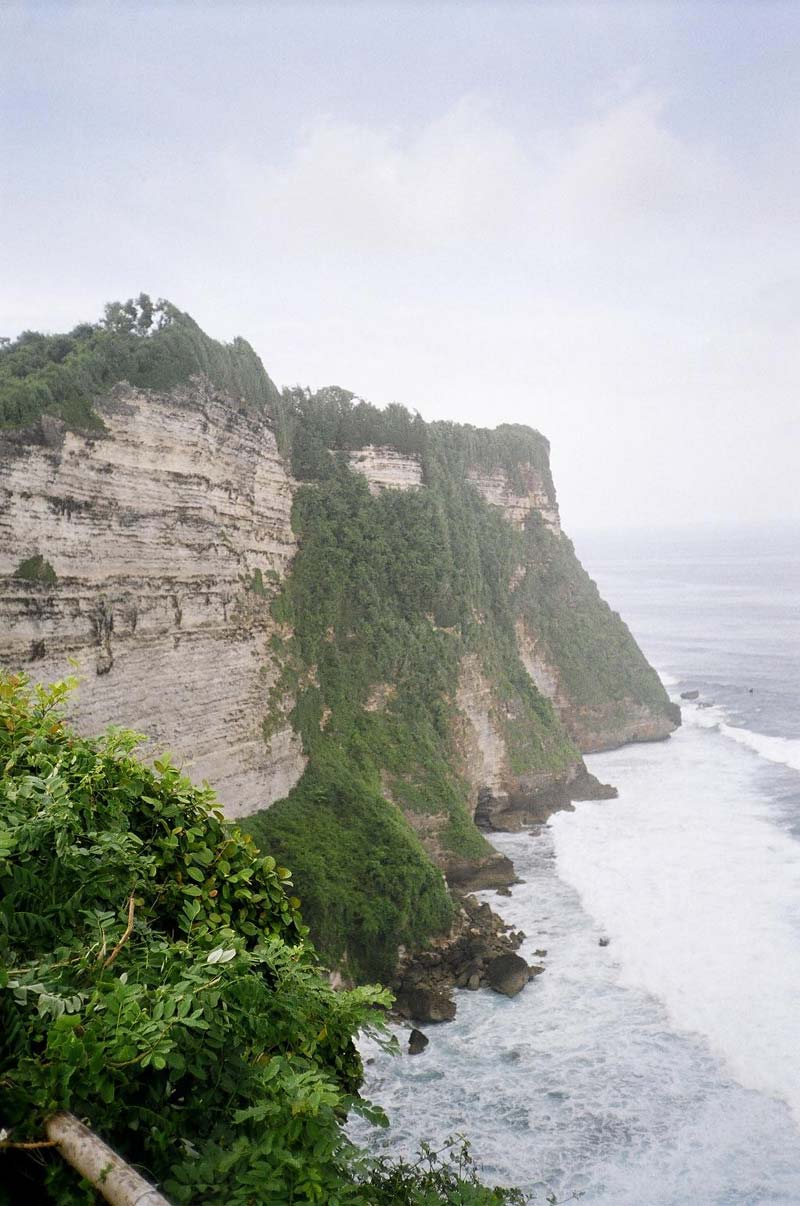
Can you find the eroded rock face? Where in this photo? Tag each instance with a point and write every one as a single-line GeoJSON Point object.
{"type": "Point", "coordinates": [502, 799]}
{"type": "Point", "coordinates": [536, 494]}
{"type": "Point", "coordinates": [384, 468]}
{"type": "Point", "coordinates": [479, 938]}
{"type": "Point", "coordinates": [544, 674]}
{"type": "Point", "coordinates": [593, 729]}
{"type": "Point", "coordinates": [164, 535]}
{"type": "Point", "coordinates": [425, 1004]}
{"type": "Point", "coordinates": [480, 739]}
{"type": "Point", "coordinates": [618, 723]}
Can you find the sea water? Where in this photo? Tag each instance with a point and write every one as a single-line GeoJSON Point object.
{"type": "Point", "coordinates": [662, 1069]}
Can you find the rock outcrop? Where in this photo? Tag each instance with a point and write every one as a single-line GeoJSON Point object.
{"type": "Point", "coordinates": [508, 974]}
{"type": "Point", "coordinates": [165, 534]}
{"type": "Point", "coordinates": [384, 468]}
{"type": "Point", "coordinates": [479, 952]}
{"type": "Point", "coordinates": [503, 797]}
{"type": "Point", "coordinates": [535, 493]}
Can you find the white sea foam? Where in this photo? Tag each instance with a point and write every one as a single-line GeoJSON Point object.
{"type": "Point", "coordinates": [580, 1083]}
{"type": "Point", "coordinates": [785, 751]}
{"type": "Point", "coordinates": [698, 888]}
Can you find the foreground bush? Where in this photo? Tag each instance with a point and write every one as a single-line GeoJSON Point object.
{"type": "Point", "coordinates": [155, 980]}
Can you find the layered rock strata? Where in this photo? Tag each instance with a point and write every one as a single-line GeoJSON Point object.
{"type": "Point", "coordinates": [602, 726]}
{"type": "Point", "coordinates": [384, 468]}
{"type": "Point", "coordinates": [535, 493]}
{"type": "Point", "coordinates": [504, 799]}
{"type": "Point", "coordinates": [164, 535]}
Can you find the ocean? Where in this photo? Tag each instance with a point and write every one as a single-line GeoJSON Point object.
{"type": "Point", "coordinates": [662, 1069]}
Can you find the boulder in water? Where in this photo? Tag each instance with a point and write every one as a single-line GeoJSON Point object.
{"type": "Point", "coordinates": [426, 1005]}
{"type": "Point", "coordinates": [507, 974]}
{"type": "Point", "coordinates": [417, 1042]}
{"type": "Point", "coordinates": [690, 694]}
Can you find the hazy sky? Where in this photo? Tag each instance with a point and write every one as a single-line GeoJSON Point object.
{"type": "Point", "coordinates": [578, 216]}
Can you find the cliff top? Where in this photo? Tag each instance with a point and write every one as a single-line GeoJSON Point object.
{"type": "Point", "coordinates": [154, 345]}
{"type": "Point", "coordinates": [151, 345]}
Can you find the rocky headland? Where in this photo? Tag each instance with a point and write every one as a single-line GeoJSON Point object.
{"type": "Point", "coordinates": [368, 633]}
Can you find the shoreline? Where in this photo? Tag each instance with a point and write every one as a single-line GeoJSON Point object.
{"type": "Point", "coordinates": [481, 949]}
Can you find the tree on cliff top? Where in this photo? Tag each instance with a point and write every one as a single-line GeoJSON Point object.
{"type": "Point", "coordinates": [155, 980]}
{"type": "Point", "coordinates": [152, 345]}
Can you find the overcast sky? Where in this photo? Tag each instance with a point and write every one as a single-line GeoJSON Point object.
{"type": "Point", "coordinates": [579, 216]}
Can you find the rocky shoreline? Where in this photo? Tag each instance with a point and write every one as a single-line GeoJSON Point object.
{"type": "Point", "coordinates": [481, 949]}
{"type": "Point", "coordinates": [479, 952]}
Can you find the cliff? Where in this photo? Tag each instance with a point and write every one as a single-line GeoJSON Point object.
{"type": "Point", "coordinates": [154, 531]}
{"type": "Point", "coordinates": [368, 632]}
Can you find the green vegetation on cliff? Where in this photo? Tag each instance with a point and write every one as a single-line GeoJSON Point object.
{"type": "Point", "coordinates": [312, 427]}
{"type": "Point", "coordinates": [36, 569]}
{"type": "Point", "coordinates": [151, 345]}
{"type": "Point", "coordinates": [155, 980]}
{"type": "Point", "coordinates": [599, 662]}
{"type": "Point", "coordinates": [386, 596]}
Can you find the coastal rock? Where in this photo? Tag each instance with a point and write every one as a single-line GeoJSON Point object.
{"type": "Point", "coordinates": [507, 974]}
{"type": "Point", "coordinates": [534, 492]}
{"type": "Point", "coordinates": [417, 1042]}
{"type": "Point", "coordinates": [470, 875]}
{"type": "Point", "coordinates": [690, 694]}
{"type": "Point", "coordinates": [586, 786]}
{"type": "Point", "coordinates": [457, 961]}
{"type": "Point", "coordinates": [425, 1005]}
{"type": "Point", "coordinates": [385, 468]}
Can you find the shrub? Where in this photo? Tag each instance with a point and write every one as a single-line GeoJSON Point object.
{"type": "Point", "coordinates": [36, 569]}
{"type": "Point", "coordinates": [154, 346]}
{"type": "Point", "coordinates": [154, 977]}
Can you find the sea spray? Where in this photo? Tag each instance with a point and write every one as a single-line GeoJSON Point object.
{"type": "Point", "coordinates": [694, 883]}
{"type": "Point", "coordinates": [583, 1083]}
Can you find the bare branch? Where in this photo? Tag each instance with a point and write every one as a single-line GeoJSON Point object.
{"type": "Point", "coordinates": [125, 936]}
{"type": "Point", "coordinates": [28, 1147]}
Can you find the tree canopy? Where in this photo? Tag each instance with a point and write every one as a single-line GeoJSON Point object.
{"type": "Point", "coordinates": [149, 344]}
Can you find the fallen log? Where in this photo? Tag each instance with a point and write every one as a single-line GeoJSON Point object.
{"type": "Point", "coordinates": [108, 1173]}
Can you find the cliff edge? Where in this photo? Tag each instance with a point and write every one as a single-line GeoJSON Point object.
{"type": "Point", "coordinates": [369, 633]}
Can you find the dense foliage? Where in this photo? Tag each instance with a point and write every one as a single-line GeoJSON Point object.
{"type": "Point", "coordinates": [313, 426]}
{"type": "Point", "coordinates": [155, 980]}
{"type": "Point", "coordinates": [387, 595]}
{"type": "Point", "coordinates": [599, 662]}
{"type": "Point", "coordinates": [206, 1047]}
{"type": "Point", "coordinates": [152, 345]}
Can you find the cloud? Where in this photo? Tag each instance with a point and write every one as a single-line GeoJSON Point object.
{"type": "Point", "coordinates": [466, 178]}
{"type": "Point", "coordinates": [613, 279]}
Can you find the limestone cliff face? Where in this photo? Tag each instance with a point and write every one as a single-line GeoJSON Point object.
{"type": "Point", "coordinates": [384, 468]}
{"type": "Point", "coordinates": [169, 533]}
{"type": "Point", "coordinates": [518, 501]}
{"type": "Point", "coordinates": [157, 532]}
{"type": "Point", "coordinates": [504, 797]}
{"type": "Point", "coordinates": [595, 727]}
